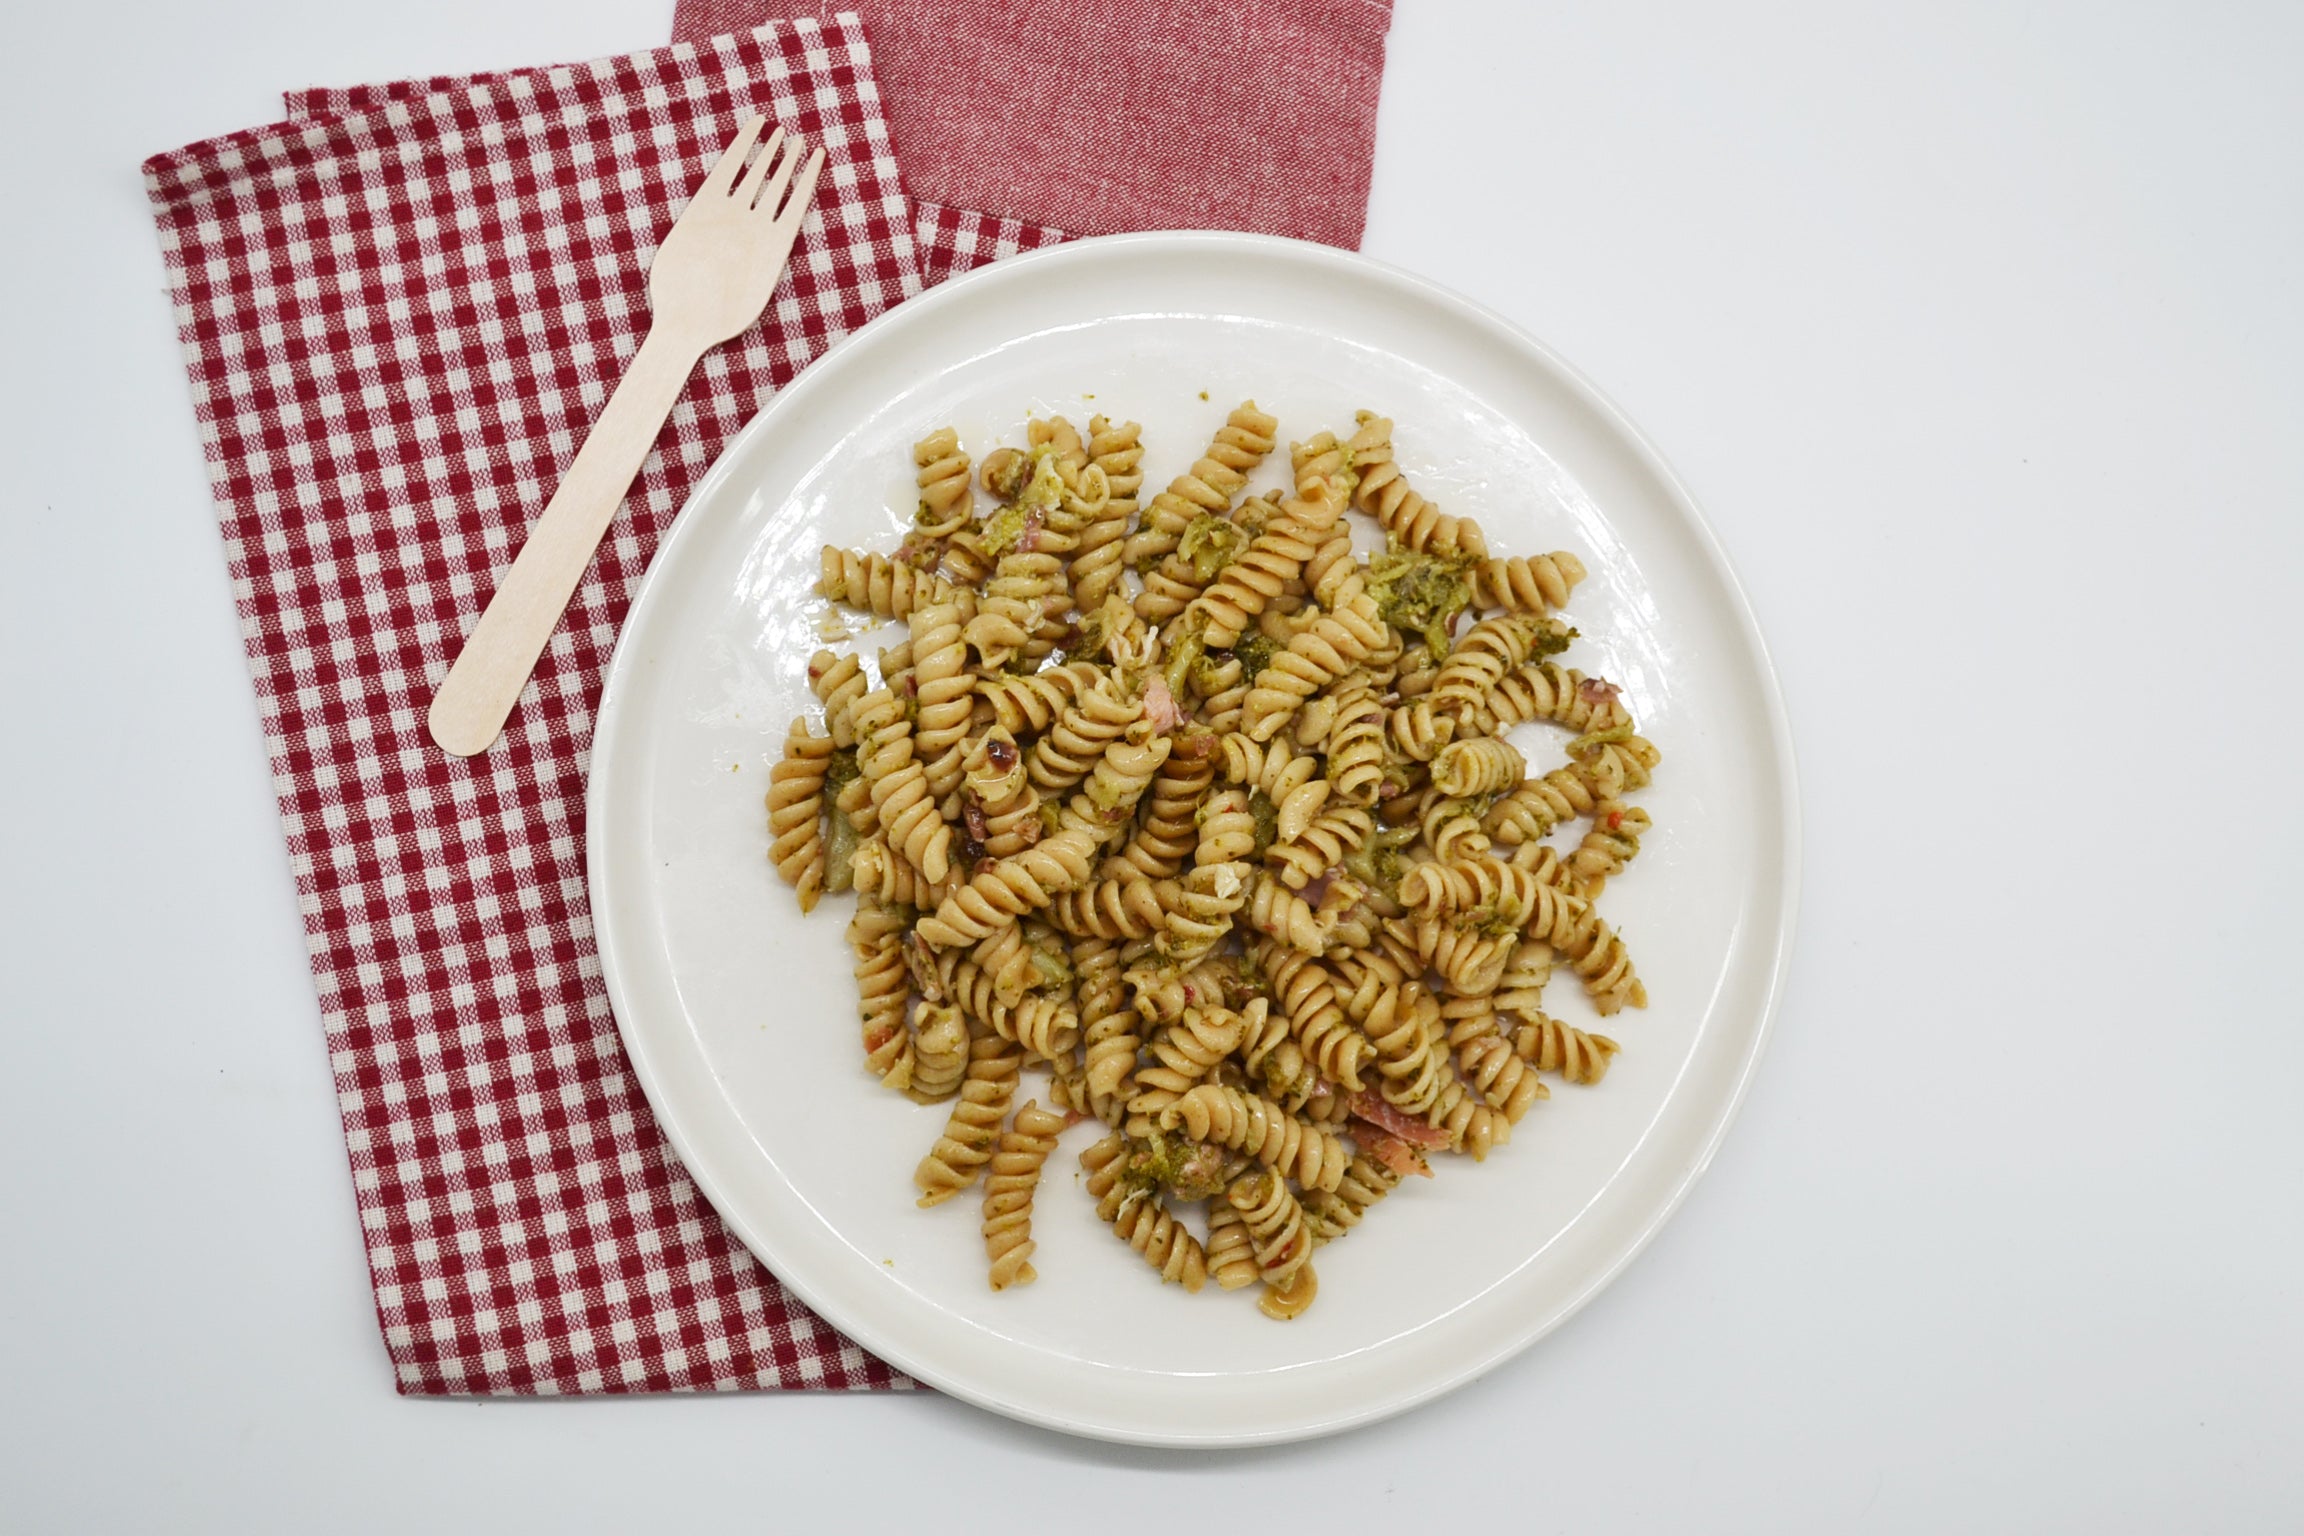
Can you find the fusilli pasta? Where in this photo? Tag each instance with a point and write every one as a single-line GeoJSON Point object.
{"type": "Point", "coordinates": [1250, 869]}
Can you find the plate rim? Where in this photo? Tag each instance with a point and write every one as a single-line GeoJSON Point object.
{"type": "Point", "coordinates": [601, 786]}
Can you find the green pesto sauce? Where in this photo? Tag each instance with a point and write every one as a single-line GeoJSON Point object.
{"type": "Point", "coordinates": [841, 772]}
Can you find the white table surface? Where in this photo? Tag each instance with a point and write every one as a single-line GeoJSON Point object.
{"type": "Point", "coordinates": [1979, 332]}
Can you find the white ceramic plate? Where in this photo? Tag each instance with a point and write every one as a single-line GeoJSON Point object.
{"type": "Point", "coordinates": [740, 1016]}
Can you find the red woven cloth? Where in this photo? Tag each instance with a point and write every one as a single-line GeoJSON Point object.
{"type": "Point", "coordinates": [1143, 114]}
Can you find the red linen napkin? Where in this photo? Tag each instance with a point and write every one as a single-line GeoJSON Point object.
{"type": "Point", "coordinates": [1096, 119]}
{"type": "Point", "coordinates": [398, 323]}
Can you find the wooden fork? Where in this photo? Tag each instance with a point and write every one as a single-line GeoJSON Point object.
{"type": "Point", "coordinates": [710, 280]}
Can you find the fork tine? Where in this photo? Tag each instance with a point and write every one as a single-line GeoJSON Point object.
{"type": "Point", "coordinates": [773, 193]}
{"type": "Point", "coordinates": [763, 163]}
{"type": "Point", "coordinates": [796, 207]}
{"type": "Point", "coordinates": [723, 175]}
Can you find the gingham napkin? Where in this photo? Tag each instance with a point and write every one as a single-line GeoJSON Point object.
{"type": "Point", "coordinates": [398, 322]}
{"type": "Point", "coordinates": [400, 310]}
{"type": "Point", "coordinates": [1123, 115]}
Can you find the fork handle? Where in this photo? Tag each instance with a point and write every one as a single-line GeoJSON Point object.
{"type": "Point", "coordinates": [476, 697]}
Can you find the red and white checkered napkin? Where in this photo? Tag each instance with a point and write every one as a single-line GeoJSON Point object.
{"type": "Point", "coordinates": [949, 240]}
{"type": "Point", "coordinates": [398, 323]}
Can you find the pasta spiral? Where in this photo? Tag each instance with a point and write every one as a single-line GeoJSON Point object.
{"type": "Point", "coordinates": [1535, 584]}
{"type": "Point", "coordinates": [1195, 919]}
{"type": "Point", "coordinates": [1044, 1026]}
{"type": "Point", "coordinates": [1064, 756]}
{"type": "Point", "coordinates": [1331, 1213]}
{"type": "Point", "coordinates": [1610, 845]}
{"type": "Point", "coordinates": [1264, 569]}
{"type": "Point", "coordinates": [1030, 704]}
{"type": "Point", "coordinates": [1169, 831]}
{"type": "Point", "coordinates": [940, 1052]}
{"type": "Point", "coordinates": [1418, 731]}
{"type": "Point", "coordinates": [1008, 1190]}
{"type": "Point", "coordinates": [1539, 805]}
{"type": "Point", "coordinates": [1275, 770]}
{"type": "Point", "coordinates": [887, 877]}
{"type": "Point", "coordinates": [1575, 930]}
{"type": "Point", "coordinates": [1321, 846]}
{"type": "Point", "coordinates": [944, 692]}
{"type": "Point", "coordinates": [1545, 690]}
{"type": "Point", "coordinates": [1281, 913]}
{"type": "Point", "coordinates": [1291, 1298]}
{"type": "Point", "coordinates": [1328, 648]}
{"type": "Point", "coordinates": [838, 682]}
{"type": "Point", "coordinates": [1271, 1059]}
{"type": "Point", "coordinates": [946, 503]}
{"type": "Point", "coordinates": [1483, 765]}
{"type": "Point", "coordinates": [1109, 1028]}
{"type": "Point", "coordinates": [796, 812]}
{"type": "Point", "coordinates": [1551, 1046]}
{"type": "Point", "coordinates": [1005, 890]}
{"type": "Point", "coordinates": [1355, 744]}
{"type": "Point", "coordinates": [1383, 493]}
{"type": "Point", "coordinates": [1231, 1256]}
{"type": "Point", "coordinates": [1477, 893]}
{"type": "Point", "coordinates": [1321, 458]}
{"type": "Point", "coordinates": [1136, 1215]}
{"type": "Point", "coordinates": [1452, 828]}
{"type": "Point", "coordinates": [899, 785]}
{"type": "Point", "coordinates": [883, 991]}
{"type": "Point", "coordinates": [1275, 1225]}
{"type": "Point", "coordinates": [1304, 992]}
{"type": "Point", "coordinates": [1489, 650]}
{"type": "Point", "coordinates": [882, 587]}
{"type": "Point", "coordinates": [1128, 908]}
{"type": "Point", "coordinates": [1504, 1082]}
{"type": "Point", "coordinates": [1268, 1132]}
{"type": "Point", "coordinates": [1181, 1055]}
{"type": "Point", "coordinates": [1017, 601]}
{"type": "Point", "coordinates": [1221, 685]}
{"type": "Point", "coordinates": [965, 1146]}
{"type": "Point", "coordinates": [1208, 487]}
{"type": "Point", "coordinates": [1096, 563]}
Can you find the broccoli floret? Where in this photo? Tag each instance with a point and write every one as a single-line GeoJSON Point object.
{"type": "Point", "coordinates": [1004, 530]}
{"type": "Point", "coordinates": [1185, 653]}
{"type": "Point", "coordinates": [1211, 543]}
{"type": "Point", "coordinates": [1593, 741]}
{"type": "Point", "coordinates": [1255, 650]}
{"type": "Point", "coordinates": [1267, 818]}
{"type": "Point", "coordinates": [1420, 594]}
